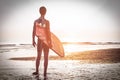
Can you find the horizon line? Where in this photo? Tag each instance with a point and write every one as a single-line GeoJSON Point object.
{"type": "Point", "coordinates": [94, 43]}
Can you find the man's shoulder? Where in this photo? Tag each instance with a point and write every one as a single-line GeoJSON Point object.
{"type": "Point", "coordinates": [37, 20]}
{"type": "Point", "coordinates": [47, 20]}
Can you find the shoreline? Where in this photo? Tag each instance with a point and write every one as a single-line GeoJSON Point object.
{"type": "Point", "coordinates": [91, 56]}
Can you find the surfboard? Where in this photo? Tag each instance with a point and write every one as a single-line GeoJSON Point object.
{"type": "Point", "coordinates": [57, 46]}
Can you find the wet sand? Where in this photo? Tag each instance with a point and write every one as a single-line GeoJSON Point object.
{"type": "Point", "coordinates": [88, 65]}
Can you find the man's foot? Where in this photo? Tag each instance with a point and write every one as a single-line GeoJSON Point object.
{"type": "Point", "coordinates": [44, 74]}
{"type": "Point", "coordinates": [35, 73]}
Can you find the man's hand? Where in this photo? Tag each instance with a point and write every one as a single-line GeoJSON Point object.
{"type": "Point", "coordinates": [34, 43]}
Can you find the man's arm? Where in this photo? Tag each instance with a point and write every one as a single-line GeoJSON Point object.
{"type": "Point", "coordinates": [48, 34]}
{"type": "Point", "coordinates": [33, 36]}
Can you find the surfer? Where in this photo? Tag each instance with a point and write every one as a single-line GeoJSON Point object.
{"type": "Point", "coordinates": [44, 24]}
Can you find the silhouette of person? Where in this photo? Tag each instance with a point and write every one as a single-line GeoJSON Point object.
{"type": "Point", "coordinates": [43, 23]}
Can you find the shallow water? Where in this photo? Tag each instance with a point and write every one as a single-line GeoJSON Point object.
{"type": "Point", "coordinates": [29, 50]}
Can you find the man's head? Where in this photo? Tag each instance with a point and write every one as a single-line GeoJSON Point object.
{"type": "Point", "coordinates": [42, 10]}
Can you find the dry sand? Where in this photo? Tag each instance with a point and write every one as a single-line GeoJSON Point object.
{"type": "Point", "coordinates": [88, 65]}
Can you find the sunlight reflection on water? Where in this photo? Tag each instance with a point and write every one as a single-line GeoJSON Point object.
{"type": "Point", "coordinates": [76, 47]}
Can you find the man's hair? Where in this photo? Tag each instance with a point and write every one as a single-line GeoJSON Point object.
{"type": "Point", "coordinates": [42, 10]}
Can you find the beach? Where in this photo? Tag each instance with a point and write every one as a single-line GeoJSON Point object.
{"type": "Point", "coordinates": [17, 62]}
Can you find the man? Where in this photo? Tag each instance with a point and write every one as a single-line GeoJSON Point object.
{"type": "Point", "coordinates": [45, 26]}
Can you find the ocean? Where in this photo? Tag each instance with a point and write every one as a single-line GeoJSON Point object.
{"type": "Point", "coordinates": [27, 50]}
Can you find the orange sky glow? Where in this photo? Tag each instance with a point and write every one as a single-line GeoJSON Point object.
{"type": "Point", "coordinates": [71, 21]}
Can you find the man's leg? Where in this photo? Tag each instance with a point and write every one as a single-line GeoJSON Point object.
{"type": "Point", "coordinates": [46, 53]}
{"type": "Point", "coordinates": [39, 52]}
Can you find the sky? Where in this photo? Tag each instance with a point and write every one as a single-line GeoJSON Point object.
{"type": "Point", "coordinates": [70, 20]}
